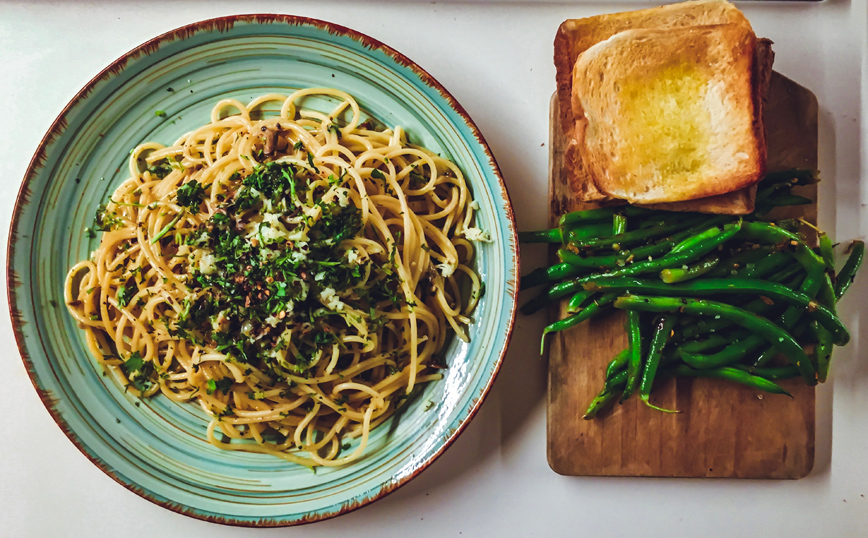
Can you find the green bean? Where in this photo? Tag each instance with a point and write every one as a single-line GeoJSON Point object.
{"type": "Point", "coordinates": [688, 252]}
{"type": "Point", "coordinates": [729, 355]}
{"type": "Point", "coordinates": [765, 357]}
{"type": "Point", "coordinates": [796, 176]}
{"type": "Point", "coordinates": [625, 238]}
{"type": "Point", "coordinates": [634, 362]}
{"type": "Point", "coordinates": [757, 306]}
{"type": "Point", "coordinates": [705, 326]}
{"type": "Point", "coordinates": [826, 252]}
{"type": "Point", "coordinates": [602, 213]}
{"type": "Point", "coordinates": [586, 313]}
{"type": "Point", "coordinates": [772, 374]}
{"type": "Point", "coordinates": [619, 224]}
{"type": "Point", "coordinates": [770, 352]}
{"type": "Point", "coordinates": [826, 295]}
{"type": "Point", "coordinates": [682, 274]}
{"type": "Point", "coordinates": [696, 250]}
{"type": "Point", "coordinates": [735, 375]}
{"type": "Point", "coordinates": [742, 258]}
{"type": "Point", "coordinates": [550, 274]}
{"type": "Point", "coordinates": [605, 397]}
{"type": "Point", "coordinates": [790, 225]}
{"type": "Point", "coordinates": [744, 344]}
{"type": "Point", "coordinates": [822, 350]}
{"type": "Point", "coordinates": [691, 242]}
{"type": "Point", "coordinates": [541, 236]}
{"type": "Point", "coordinates": [848, 272]}
{"type": "Point", "coordinates": [698, 346]}
{"type": "Point", "coordinates": [812, 284]}
{"type": "Point", "coordinates": [764, 328]}
{"type": "Point", "coordinates": [616, 365]}
{"type": "Point", "coordinates": [662, 334]}
{"type": "Point", "coordinates": [694, 348]}
{"type": "Point", "coordinates": [575, 233]}
{"type": "Point", "coordinates": [767, 233]}
{"type": "Point", "coordinates": [579, 300]}
{"type": "Point", "coordinates": [776, 181]}
{"type": "Point", "coordinates": [786, 200]}
{"type": "Point", "coordinates": [715, 286]}
{"type": "Point", "coordinates": [816, 281]}
{"type": "Point", "coordinates": [769, 264]}
{"type": "Point", "coordinates": [622, 258]}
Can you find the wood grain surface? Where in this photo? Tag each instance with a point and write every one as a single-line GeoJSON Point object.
{"type": "Point", "coordinates": [723, 430]}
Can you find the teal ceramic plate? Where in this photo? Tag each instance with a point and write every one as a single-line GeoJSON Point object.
{"type": "Point", "coordinates": [156, 448]}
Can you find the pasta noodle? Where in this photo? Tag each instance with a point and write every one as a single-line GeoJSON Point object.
{"type": "Point", "coordinates": [297, 274]}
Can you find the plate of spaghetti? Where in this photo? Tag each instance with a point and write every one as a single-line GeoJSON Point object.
{"type": "Point", "coordinates": [262, 270]}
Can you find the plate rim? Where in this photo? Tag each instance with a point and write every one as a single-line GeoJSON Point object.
{"type": "Point", "coordinates": [23, 198]}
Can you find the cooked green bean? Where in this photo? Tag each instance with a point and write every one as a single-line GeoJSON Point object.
{"type": "Point", "coordinates": [767, 233]}
{"type": "Point", "coordinates": [619, 224]}
{"type": "Point", "coordinates": [795, 176]}
{"type": "Point", "coordinates": [634, 362]}
{"type": "Point", "coordinates": [605, 396]}
{"type": "Point", "coordinates": [770, 264]}
{"type": "Point", "coordinates": [764, 328]}
{"type": "Point", "coordinates": [757, 306]}
{"type": "Point", "coordinates": [662, 333]}
{"type": "Point", "coordinates": [822, 350]}
{"type": "Point", "coordinates": [787, 200]}
{"type": "Point", "coordinates": [625, 238]}
{"type": "Point", "coordinates": [848, 272]}
{"type": "Point", "coordinates": [685, 273]}
{"type": "Point", "coordinates": [568, 287]}
{"type": "Point", "coordinates": [581, 259]}
{"type": "Point", "coordinates": [717, 286]}
{"type": "Point", "coordinates": [602, 213]}
{"type": "Point", "coordinates": [541, 236]}
{"type": "Point", "coordinates": [735, 375]}
{"type": "Point", "coordinates": [705, 235]}
{"type": "Point", "coordinates": [578, 301]}
{"type": "Point", "coordinates": [617, 364]}
{"type": "Point", "coordinates": [700, 260]}
{"type": "Point", "coordinates": [827, 252]}
{"type": "Point", "coordinates": [770, 352]}
{"type": "Point", "coordinates": [553, 273]}
{"type": "Point", "coordinates": [580, 232]}
{"type": "Point", "coordinates": [586, 313]}
{"type": "Point", "coordinates": [742, 258]}
{"type": "Point", "coordinates": [698, 346]}
{"type": "Point", "coordinates": [772, 374]}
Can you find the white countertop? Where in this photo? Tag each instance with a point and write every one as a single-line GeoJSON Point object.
{"type": "Point", "coordinates": [495, 58]}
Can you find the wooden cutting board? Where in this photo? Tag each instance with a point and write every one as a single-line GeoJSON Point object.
{"type": "Point", "coordinates": [724, 430]}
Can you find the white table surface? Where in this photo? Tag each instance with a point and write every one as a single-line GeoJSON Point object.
{"type": "Point", "coordinates": [494, 481]}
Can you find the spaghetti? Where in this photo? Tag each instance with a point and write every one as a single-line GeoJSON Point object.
{"type": "Point", "coordinates": [296, 274]}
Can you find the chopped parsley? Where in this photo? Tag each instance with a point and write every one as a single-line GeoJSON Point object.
{"type": "Point", "coordinates": [275, 278]}
{"type": "Point", "coordinates": [138, 371]}
{"type": "Point", "coordinates": [125, 294]}
{"type": "Point", "coordinates": [223, 385]}
{"type": "Point", "coordinates": [160, 169]}
{"type": "Point", "coordinates": [105, 220]}
{"type": "Point", "coordinates": [190, 195]}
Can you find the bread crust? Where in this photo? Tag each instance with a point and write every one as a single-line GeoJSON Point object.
{"type": "Point", "coordinates": [577, 35]}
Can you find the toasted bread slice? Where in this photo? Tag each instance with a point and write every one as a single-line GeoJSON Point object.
{"type": "Point", "coordinates": [669, 113]}
{"type": "Point", "coordinates": [577, 35]}
{"type": "Point", "coordinates": [741, 201]}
